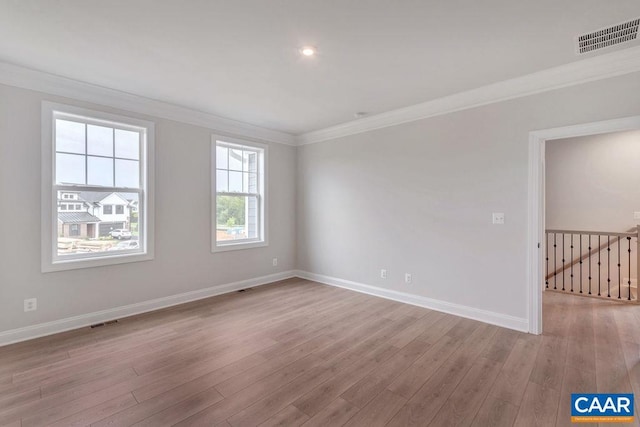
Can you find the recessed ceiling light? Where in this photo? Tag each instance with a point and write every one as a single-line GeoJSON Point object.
{"type": "Point", "coordinates": [308, 51]}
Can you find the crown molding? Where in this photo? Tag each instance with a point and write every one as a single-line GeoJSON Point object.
{"type": "Point", "coordinates": [14, 75]}
{"type": "Point", "coordinates": [595, 68]}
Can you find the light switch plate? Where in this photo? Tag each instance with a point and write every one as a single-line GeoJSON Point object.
{"type": "Point", "coordinates": [636, 215]}
{"type": "Point", "coordinates": [498, 218]}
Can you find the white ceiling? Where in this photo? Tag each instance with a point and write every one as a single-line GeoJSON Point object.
{"type": "Point", "coordinates": [239, 58]}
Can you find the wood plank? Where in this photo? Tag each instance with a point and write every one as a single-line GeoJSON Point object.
{"type": "Point", "coordinates": [286, 353]}
{"type": "Point", "coordinates": [8, 400]}
{"type": "Point", "coordinates": [246, 378]}
{"type": "Point", "coordinates": [495, 413]}
{"type": "Point", "coordinates": [410, 381]}
{"type": "Point", "coordinates": [499, 348]}
{"type": "Point", "coordinates": [539, 407]}
{"type": "Point", "coordinates": [202, 372]}
{"type": "Point", "coordinates": [461, 407]}
{"type": "Point", "coordinates": [548, 368]}
{"type": "Point", "coordinates": [514, 376]}
{"type": "Point", "coordinates": [428, 400]}
{"type": "Point", "coordinates": [379, 411]}
{"type": "Point", "coordinates": [98, 412]}
{"type": "Point", "coordinates": [336, 413]}
{"type": "Point", "coordinates": [290, 416]}
{"type": "Point", "coordinates": [204, 385]}
{"type": "Point", "coordinates": [185, 408]}
{"type": "Point", "coordinates": [576, 380]}
{"type": "Point", "coordinates": [113, 375]}
{"type": "Point", "coordinates": [373, 384]}
{"type": "Point", "coordinates": [328, 392]}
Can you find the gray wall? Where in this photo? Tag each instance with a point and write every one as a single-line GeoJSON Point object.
{"type": "Point", "coordinates": [411, 198]}
{"type": "Point", "coordinates": [593, 182]}
{"type": "Point", "coordinates": [183, 261]}
{"type": "Point", "coordinates": [418, 197]}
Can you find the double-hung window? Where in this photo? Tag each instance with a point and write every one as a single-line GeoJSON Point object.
{"type": "Point", "coordinates": [238, 178]}
{"type": "Point", "coordinates": [94, 158]}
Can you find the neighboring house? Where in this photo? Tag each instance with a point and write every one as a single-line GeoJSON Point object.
{"type": "Point", "coordinates": [77, 224]}
{"type": "Point", "coordinates": [92, 214]}
{"type": "Point", "coordinates": [112, 209]}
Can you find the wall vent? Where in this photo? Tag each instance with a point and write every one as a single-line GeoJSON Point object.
{"type": "Point", "coordinates": [609, 36]}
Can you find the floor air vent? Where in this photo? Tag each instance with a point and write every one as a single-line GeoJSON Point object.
{"type": "Point", "coordinates": [609, 36]}
{"type": "Point", "coordinates": [110, 322]}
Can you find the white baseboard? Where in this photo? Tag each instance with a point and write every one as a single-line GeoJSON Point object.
{"type": "Point", "coordinates": [62, 325]}
{"type": "Point", "coordinates": [506, 321]}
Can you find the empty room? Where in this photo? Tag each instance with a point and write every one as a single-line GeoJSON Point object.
{"type": "Point", "coordinates": [319, 213]}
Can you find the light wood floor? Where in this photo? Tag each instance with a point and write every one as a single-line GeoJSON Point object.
{"type": "Point", "coordinates": [301, 353]}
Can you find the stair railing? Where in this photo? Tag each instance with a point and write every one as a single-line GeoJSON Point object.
{"type": "Point", "coordinates": [580, 262]}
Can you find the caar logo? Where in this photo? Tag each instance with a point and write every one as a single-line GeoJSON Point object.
{"type": "Point", "coordinates": [602, 408]}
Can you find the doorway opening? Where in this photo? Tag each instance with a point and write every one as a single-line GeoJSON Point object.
{"type": "Point", "coordinates": [538, 238]}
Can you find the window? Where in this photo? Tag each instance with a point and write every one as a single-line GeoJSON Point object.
{"type": "Point", "coordinates": [238, 177]}
{"type": "Point", "coordinates": [119, 210]}
{"type": "Point", "coordinates": [93, 157]}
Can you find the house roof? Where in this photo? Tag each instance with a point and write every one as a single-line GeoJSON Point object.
{"type": "Point", "coordinates": [93, 196]}
{"type": "Point", "coordinates": [99, 196]}
{"type": "Point", "coordinates": [76, 217]}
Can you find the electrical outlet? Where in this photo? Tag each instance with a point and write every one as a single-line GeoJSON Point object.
{"type": "Point", "coordinates": [407, 278]}
{"type": "Point", "coordinates": [383, 273]}
{"type": "Point", "coordinates": [498, 218]}
{"type": "Point", "coordinates": [30, 304]}
{"type": "Point", "coordinates": [275, 262]}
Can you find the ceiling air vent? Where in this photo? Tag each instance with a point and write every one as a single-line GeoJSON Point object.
{"type": "Point", "coordinates": [609, 36]}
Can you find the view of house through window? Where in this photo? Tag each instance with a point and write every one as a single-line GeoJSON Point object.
{"type": "Point", "coordinates": [239, 193]}
{"type": "Point", "coordinates": [98, 186]}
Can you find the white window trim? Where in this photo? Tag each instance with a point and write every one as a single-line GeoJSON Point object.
{"type": "Point", "coordinates": [49, 214]}
{"type": "Point", "coordinates": [234, 245]}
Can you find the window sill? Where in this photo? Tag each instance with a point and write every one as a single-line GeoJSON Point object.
{"type": "Point", "coordinates": [77, 264]}
{"type": "Point", "coordinates": [238, 246]}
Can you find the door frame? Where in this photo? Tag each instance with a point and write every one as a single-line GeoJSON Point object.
{"type": "Point", "coordinates": [536, 229]}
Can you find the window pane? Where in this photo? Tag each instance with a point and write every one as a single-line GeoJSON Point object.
{"type": "Point", "coordinates": [235, 159]}
{"type": "Point", "coordinates": [99, 140]}
{"type": "Point", "coordinates": [100, 171]}
{"type": "Point", "coordinates": [127, 144]}
{"type": "Point", "coordinates": [235, 182]}
{"type": "Point", "coordinates": [249, 163]}
{"type": "Point", "coordinates": [94, 229]}
{"type": "Point", "coordinates": [70, 169]}
{"type": "Point", "coordinates": [127, 173]}
{"type": "Point", "coordinates": [222, 181]}
{"type": "Point", "coordinates": [70, 136]}
{"type": "Point", "coordinates": [222, 157]}
{"type": "Point", "coordinates": [252, 218]}
{"type": "Point", "coordinates": [252, 186]}
{"type": "Point", "coordinates": [230, 217]}
{"type": "Point", "coordinates": [237, 218]}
